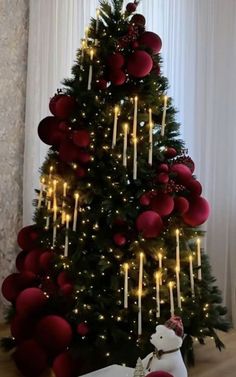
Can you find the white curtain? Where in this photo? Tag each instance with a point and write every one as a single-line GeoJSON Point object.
{"type": "Point", "coordinates": [199, 52]}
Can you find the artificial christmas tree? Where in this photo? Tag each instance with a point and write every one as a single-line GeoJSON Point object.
{"type": "Point", "coordinates": [114, 247]}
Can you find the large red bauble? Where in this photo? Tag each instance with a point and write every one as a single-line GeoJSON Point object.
{"type": "Point", "coordinates": [11, 287]}
{"type": "Point", "coordinates": [52, 131]}
{"type": "Point", "coordinates": [117, 77]}
{"type": "Point", "coordinates": [81, 138]}
{"type": "Point", "coordinates": [82, 329]}
{"type": "Point", "coordinates": [181, 204]}
{"type": "Point", "coordinates": [131, 7]}
{"type": "Point", "coordinates": [198, 212]}
{"type": "Point", "coordinates": [64, 366]}
{"type": "Point", "coordinates": [138, 19]}
{"type": "Point", "coordinates": [195, 187]}
{"type": "Point", "coordinates": [30, 301]}
{"type": "Point", "coordinates": [116, 61]}
{"type": "Point", "coordinates": [170, 152]}
{"type": "Point", "coordinates": [28, 279]}
{"type": "Point", "coordinates": [64, 278]}
{"type": "Point", "coordinates": [152, 41]}
{"type": "Point", "coordinates": [46, 260]}
{"type": "Point", "coordinates": [149, 224]}
{"type": "Point", "coordinates": [163, 204]}
{"type": "Point", "coordinates": [20, 260]}
{"type": "Point", "coordinates": [139, 64]}
{"type": "Point", "coordinates": [54, 333]}
{"type": "Point", "coordinates": [68, 151]}
{"type": "Point", "coordinates": [184, 174]}
{"type": "Point", "coordinates": [31, 262]}
{"type": "Point", "coordinates": [159, 374]}
{"type": "Point", "coordinates": [27, 237]}
{"type": "Point", "coordinates": [30, 358]}
{"type": "Point", "coordinates": [62, 106]}
{"type": "Point", "coordinates": [119, 239]}
{"type": "Point", "coordinates": [22, 328]}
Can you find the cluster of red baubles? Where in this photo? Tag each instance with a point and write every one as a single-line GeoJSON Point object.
{"type": "Point", "coordinates": [42, 337]}
{"type": "Point", "coordinates": [72, 144]}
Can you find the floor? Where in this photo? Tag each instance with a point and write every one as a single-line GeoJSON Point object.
{"type": "Point", "coordinates": [210, 362]}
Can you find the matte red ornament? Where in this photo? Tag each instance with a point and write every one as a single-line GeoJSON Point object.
{"type": "Point", "coordinates": [64, 366]}
{"type": "Point", "coordinates": [10, 287]}
{"type": "Point", "coordinates": [152, 41]}
{"type": "Point", "coordinates": [52, 131]}
{"type": "Point", "coordinates": [20, 260]}
{"type": "Point", "coordinates": [117, 77]}
{"type": "Point", "coordinates": [84, 157]}
{"type": "Point", "coordinates": [163, 168]}
{"type": "Point", "coordinates": [68, 151]}
{"type": "Point", "coordinates": [198, 213]}
{"type": "Point", "coordinates": [163, 204]}
{"type": "Point", "coordinates": [170, 153]}
{"type": "Point", "coordinates": [194, 186]}
{"type": "Point", "coordinates": [116, 60]}
{"type": "Point", "coordinates": [131, 7]}
{"type": "Point", "coordinates": [64, 278]}
{"type": "Point", "coordinates": [22, 328]}
{"type": "Point", "coordinates": [30, 358]}
{"type": "Point", "coordinates": [101, 84]}
{"type": "Point", "coordinates": [81, 138]}
{"type": "Point", "coordinates": [62, 106]}
{"type": "Point", "coordinates": [30, 301]}
{"type": "Point", "coordinates": [49, 286]}
{"type": "Point", "coordinates": [82, 329]}
{"type": "Point", "coordinates": [80, 172]}
{"type": "Point", "coordinates": [145, 199]}
{"type": "Point", "coordinates": [119, 239]}
{"type": "Point", "coordinates": [46, 260]}
{"type": "Point", "coordinates": [181, 205]}
{"type": "Point", "coordinates": [149, 224]}
{"type": "Point", "coordinates": [159, 374]}
{"type": "Point", "coordinates": [28, 279]}
{"type": "Point", "coordinates": [163, 178]}
{"type": "Point", "coordinates": [184, 174]}
{"type": "Point", "coordinates": [28, 237]}
{"type": "Point", "coordinates": [54, 333]}
{"type": "Point", "coordinates": [134, 45]}
{"type": "Point", "coordinates": [139, 64]}
{"type": "Point", "coordinates": [67, 289]}
{"type": "Point", "coordinates": [138, 19]}
{"type": "Point", "coordinates": [31, 262]}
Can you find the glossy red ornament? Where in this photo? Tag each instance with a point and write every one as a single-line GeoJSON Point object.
{"type": "Point", "coordinates": [138, 19]}
{"type": "Point", "coordinates": [145, 199]}
{"type": "Point", "coordinates": [119, 239]}
{"type": "Point", "coordinates": [163, 204]}
{"type": "Point", "coordinates": [52, 131]}
{"type": "Point", "coordinates": [68, 151]}
{"type": "Point", "coordinates": [81, 138]}
{"type": "Point", "coordinates": [28, 237]}
{"type": "Point", "coordinates": [62, 106]}
{"type": "Point", "coordinates": [131, 7]}
{"type": "Point", "coordinates": [116, 61]}
{"type": "Point", "coordinates": [183, 173]}
{"type": "Point", "coordinates": [198, 213]}
{"type": "Point", "coordinates": [139, 64]}
{"type": "Point", "coordinates": [46, 260]}
{"type": "Point", "coordinates": [20, 260]}
{"type": "Point", "coordinates": [54, 333]}
{"type": "Point", "coordinates": [159, 374]}
{"type": "Point", "coordinates": [181, 205]}
{"type": "Point", "coordinates": [194, 186]}
{"type": "Point", "coordinates": [31, 262]}
{"type": "Point", "coordinates": [30, 301]}
{"type": "Point", "coordinates": [163, 178]}
{"type": "Point", "coordinates": [152, 41]}
{"type": "Point", "coordinates": [117, 77]}
{"type": "Point", "coordinates": [170, 153]}
{"type": "Point", "coordinates": [163, 168]}
{"type": "Point", "coordinates": [149, 224]}
{"type": "Point", "coordinates": [65, 366]}
{"type": "Point", "coordinates": [30, 358]}
{"type": "Point", "coordinates": [11, 287]}
{"type": "Point", "coordinates": [82, 329]}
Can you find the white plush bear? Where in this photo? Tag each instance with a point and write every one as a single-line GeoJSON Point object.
{"type": "Point", "coordinates": [167, 356]}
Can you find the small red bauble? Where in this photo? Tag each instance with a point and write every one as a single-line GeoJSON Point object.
{"type": "Point", "coordinates": [30, 301]}
{"type": "Point", "coordinates": [64, 278]}
{"type": "Point", "coordinates": [198, 212]}
{"type": "Point", "coordinates": [116, 61]}
{"type": "Point", "coordinates": [81, 138]}
{"type": "Point", "coordinates": [149, 224]}
{"type": "Point", "coordinates": [159, 374]}
{"type": "Point", "coordinates": [28, 279]}
{"type": "Point", "coordinates": [82, 329]}
{"type": "Point", "coordinates": [131, 7]}
{"type": "Point", "coordinates": [119, 239]}
{"type": "Point", "coordinates": [62, 106]}
{"type": "Point", "coordinates": [139, 64]}
{"type": "Point", "coordinates": [67, 289]}
{"type": "Point", "coordinates": [101, 84]}
{"type": "Point", "coordinates": [145, 199]}
{"type": "Point", "coordinates": [52, 131]}
{"type": "Point", "coordinates": [163, 178]}
{"type": "Point", "coordinates": [11, 287]}
{"type": "Point", "coordinates": [30, 358]}
{"type": "Point", "coordinates": [152, 41]}
{"type": "Point", "coordinates": [68, 151]}
{"type": "Point", "coordinates": [54, 333]}
{"type": "Point", "coordinates": [48, 286]}
{"type": "Point", "coordinates": [163, 168]}
{"type": "Point", "coordinates": [163, 204]}
{"type": "Point", "coordinates": [181, 205]}
{"type": "Point", "coordinates": [20, 260]}
{"type": "Point", "coordinates": [80, 172]}
{"type": "Point", "coordinates": [84, 157]}
{"type": "Point", "coordinates": [31, 262]}
{"type": "Point", "coordinates": [184, 174]}
{"type": "Point", "coordinates": [138, 19]}
{"type": "Point", "coordinates": [64, 366]}
{"type": "Point", "coordinates": [46, 260]}
{"type": "Point", "coordinates": [170, 153]}
{"type": "Point", "coordinates": [28, 237]}
{"type": "Point", "coordinates": [134, 45]}
{"type": "Point", "coordinates": [195, 187]}
{"type": "Point", "coordinates": [117, 77]}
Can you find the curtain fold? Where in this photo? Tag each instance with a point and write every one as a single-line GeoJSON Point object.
{"type": "Point", "coordinates": [199, 58]}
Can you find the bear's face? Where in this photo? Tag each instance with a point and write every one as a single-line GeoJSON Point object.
{"type": "Point", "coordinates": [165, 339]}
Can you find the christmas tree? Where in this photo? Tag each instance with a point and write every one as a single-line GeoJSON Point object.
{"type": "Point", "coordinates": [115, 246]}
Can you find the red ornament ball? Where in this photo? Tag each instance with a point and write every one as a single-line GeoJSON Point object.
{"type": "Point", "coordinates": [163, 204]}
{"type": "Point", "coordinates": [195, 187]}
{"type": "Point", "coordinates": [184, 174]}
{"type": "Point", "coordinates": [52, 131]}
{"type": "Point", "coordinates": [30, 358]}
{"type": "Point", "coordinates": [22, 328]}
{"type": "Point", "coordinates": [64, 278]}
{"type": "Point", "coordinates": [67, 289]}
{"type": "Point", "coordinates": [139, 20]}
{"type": "Point", "coordinates": [163, 178]}
{"type": "Point", "coordinates": [170, 153]}
{"type": "Point", "coordinates": [116, 60]}
{"type": "Point", "coordinates": [11, 287]}
{"type": "Point", "coordinates": [64, 366]}
{"type": "Point", "coordinates": [145, 199]}
{"type": "Point", "coordinates": [198, 213]}
{"type": "Point", "coordinates": [152, 41]}
{"type": "Point", "coordinates": [80, 172]}
{"type": "Point", "coordinates": [31, 262]}
{"type": "Point", "coordinates": [181, 205]}
{"type": "Point", "coordinates": [119, 239]}
{"type": "Point", "coordinates": [139, 64]}
{"type": "Point", "coordinates": [46, 260]}
{"type": "Point", "coordinates": [117, 77]}
{"type": "Point", "coordinates": [149, 224]}
{"type": "Point", "coordinates": [163, 168]}
{"type": "Point", "coordinates": [81, 138]}
{"type": "Point", "coordinates": [131, 7]}
{"type": "Point", "coordinates": [54, 333]}
{"type": "Point", "coordinates": [62, 106]}
{"type": "Point", "coordinates": [20, 260]}
{"type": "Point", "coordinates": [30, 301]}
{"type": "Point", "coordinates": [159, 374]}
{"type": "Point", "coordinates": [68, 151]}
{"type": "Point", "coordinates": [102, 84]}
{"type": "Point", "coordinates": [28, 237]}
{"type": "Point", "coordinates": [84, 157]}
{"type": "Point", "coordinates": [28, 279]}
{"type": "Point", "coordinates": [82, 329]}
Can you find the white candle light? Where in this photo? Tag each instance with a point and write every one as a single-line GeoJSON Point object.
{"type": "Point", "coordinates": [125, 145]}
{"type": "Point", "coordinates": [135, 162]}
{"type": "Point", "coordinates": [178, 288]}
{"type": "Point", "coordinates": [67, 237]}
{"type": "Point", "coordinates": [126, 287]}
{"type": "Point", "coordinates": [50, 174]}
{"type": "Point", "coordinates": [54, 193]}
{"type": "Point", "coordinates": [135, 120]}
{"type": "Point", "coordinates": [150, 149]}
{"type": "Point", "coordinates": [140, 292]}
{"type": "Point", "coordinates": [63, 218]}
{"type": "Point", "coordinates": [54, 236]}
{"type": "Point", "coordinates": [75, 212]}
{"type": "Point", "coordinates": [160, 266]}
{"type": "Point", "coordinates": [90, 76]}
{"type": "Point", "coordinates": [191, 275]}
{"type": "Point", "coordinates": [158, 311]}
{"type": "Point", "coordinates": [40, 198]}
{"type": "Point", "coordinates": [172, 307]}
{"type": "Point", "coordinates": [199, 259]}
{"type": "Point", "coordinates": [83, 46]}
{"type": "Point", "coordinates": [163, 125]}
{"type": "Point", "coordinates": [177, 249]}
{"type": "Point", "coordinates": [114, 136]}
{"type": "Point", "coordinates": [48, 208]}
